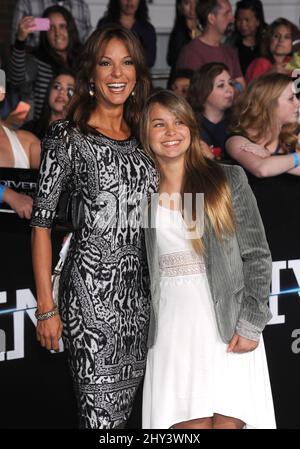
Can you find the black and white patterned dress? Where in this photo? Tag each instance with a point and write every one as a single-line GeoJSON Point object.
{"type": "Point", "coordinates": [104, 291]}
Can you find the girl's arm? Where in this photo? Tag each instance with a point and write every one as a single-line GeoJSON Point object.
{"type": "Point", "coordinates": [256, 160]}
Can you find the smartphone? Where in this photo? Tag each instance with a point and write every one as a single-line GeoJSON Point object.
{"type": "Point", "coordinates": [41, 24]}
{"type": "Point", "coordinates": [22, 109]}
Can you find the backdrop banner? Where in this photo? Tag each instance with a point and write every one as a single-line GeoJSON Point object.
{"type": "Point", "coordinates": [36, 390]}
{"type": "Point", "coordinates": [278, 200]}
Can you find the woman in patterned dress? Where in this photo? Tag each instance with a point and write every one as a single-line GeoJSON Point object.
{"type": "Point", "coordinates": [104, 288]}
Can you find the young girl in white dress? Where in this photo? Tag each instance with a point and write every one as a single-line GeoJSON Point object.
{"type": "Point", "coordinates": [206, 365]}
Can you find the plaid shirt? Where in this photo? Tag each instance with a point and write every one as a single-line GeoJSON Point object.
{"type": "Point", "coordinates": [78, 8]}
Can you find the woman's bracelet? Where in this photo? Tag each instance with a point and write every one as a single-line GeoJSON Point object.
{"type": "Point", "coordinates": [2, 190]}
{"type": "Point", "coordinates": [296, 159]}
{"type": "Point", "coordinates": [46, 315]}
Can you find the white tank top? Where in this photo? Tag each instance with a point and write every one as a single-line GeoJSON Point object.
{"type": "Point", "coordinates": [20, 156]}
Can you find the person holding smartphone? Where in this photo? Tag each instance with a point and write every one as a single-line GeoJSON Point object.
{"type": "Point", "coordinates": [78, 8]}
{"type": "Point", "coordinates": [58, 48]}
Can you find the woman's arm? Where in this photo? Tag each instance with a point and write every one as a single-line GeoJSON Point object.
{"type": "Point", "coordinates": [35, 154]}
{"type": "Point", "coordinates": [32, 145]}
{"type": "Point", "coordinates": [16, 68]}
{"type": "Point", "coordinates": [20, 203]}
{"type": "Point", "coordinates": [49, 330]}
{"type": "Point", "coordinates": [55, 172]}
{"type": "Point", "coordinates": [256, 160]}
{"type": "Point", "coordinates": [17, 61]}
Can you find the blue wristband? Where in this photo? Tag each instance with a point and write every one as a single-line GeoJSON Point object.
{"type": "Point", "coordinates": [296, 159]}
{"type": "Point", "coordinates": [2, 190]}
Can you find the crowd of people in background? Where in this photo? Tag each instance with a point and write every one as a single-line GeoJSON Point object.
{"type": "Point", "coordinates": [204, 33]}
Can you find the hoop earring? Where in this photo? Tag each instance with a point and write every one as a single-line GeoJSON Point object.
{"type": "Point", "coordinates": [92, 89]}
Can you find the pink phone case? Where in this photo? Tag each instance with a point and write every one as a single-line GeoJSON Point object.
{"type": "Point", "coordinates": [41, 24]}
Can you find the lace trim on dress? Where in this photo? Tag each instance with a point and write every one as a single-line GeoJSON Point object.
{"type": "Point", "coordinates": [181, 263]}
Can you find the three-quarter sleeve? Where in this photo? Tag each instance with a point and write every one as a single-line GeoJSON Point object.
{"type": "Point", "coordinates": [55, 171]}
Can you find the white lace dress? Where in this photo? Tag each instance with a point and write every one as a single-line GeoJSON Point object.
{"type": "Point", "coordinates": [189, 374]}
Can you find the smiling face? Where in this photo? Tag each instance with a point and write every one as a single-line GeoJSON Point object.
{"type": "Point", "coordinates": [115, 74]}
{"type": "Point", "coordinates": [221, 97]}
{"type": "Point", "coordinates": [169, 138]}
{"type": "Point", "coordinates": [288, 106]}
{"type": "Point", "coordinates": [58, 35]}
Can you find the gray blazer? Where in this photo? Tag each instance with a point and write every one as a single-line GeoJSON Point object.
{"type": "Point", "coordinates": [238, 271]}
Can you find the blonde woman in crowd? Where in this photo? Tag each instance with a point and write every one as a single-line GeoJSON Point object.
{"type": "Point", "coordinates": [265, 125]}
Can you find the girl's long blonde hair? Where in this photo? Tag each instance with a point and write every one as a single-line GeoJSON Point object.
{"type": "Point", "coordinates": [254, 115]}
{"type": "Point", "coordinates": [201, 174]}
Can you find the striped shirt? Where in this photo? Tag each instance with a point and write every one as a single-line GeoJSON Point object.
{"type": "Point", "coordinates": [23, 68]}
{"type": "Point", "coordinates": [78, 8]}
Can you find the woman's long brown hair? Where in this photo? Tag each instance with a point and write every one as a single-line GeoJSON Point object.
{"type": "Point", "coordinates": [83, 104]}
